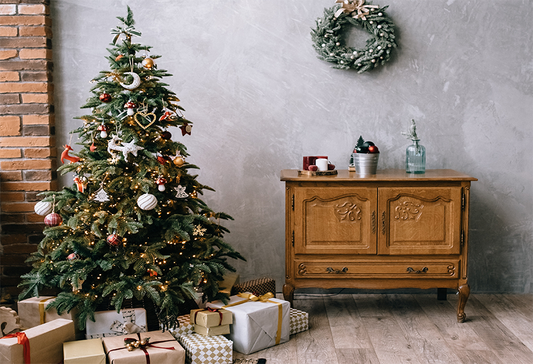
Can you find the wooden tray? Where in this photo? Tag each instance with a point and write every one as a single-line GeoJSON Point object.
{"type": "Point", "coordinates": [317, 173]}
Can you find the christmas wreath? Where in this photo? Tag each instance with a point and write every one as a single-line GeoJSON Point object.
{"type": "Point", "coordinates": [328, 35]}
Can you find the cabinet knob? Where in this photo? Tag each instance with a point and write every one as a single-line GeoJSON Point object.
{"type": "Point", "coordinates": [411, 270]}
{"type": "Point", "coordinates": [337, 271]}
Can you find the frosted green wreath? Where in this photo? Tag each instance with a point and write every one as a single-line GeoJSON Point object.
{"type": "Point", "coordinates": [329, 32]}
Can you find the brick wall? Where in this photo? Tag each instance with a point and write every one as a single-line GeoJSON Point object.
{"type": "Point", "coordinates": [27, 143]}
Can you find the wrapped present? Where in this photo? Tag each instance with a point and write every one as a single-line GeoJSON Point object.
{"type": "Point", "coordinates": [207, 349]}
{"type": "Point", "coordinates": [212, 331]}
{"type": "Point", "coordinates": [258, 287]}
{"type": "Point", "coordinates": [211, 317]}
{"type": "Point", "coordinates": [33, 312]}
{"type": "Point", "coordinates": [113, 323]}
{"type": "Point", "coordinates": [84, 352]}
{"type": "Point", "coordinates": [299, 321]}
{"type": "Point", "coordinates": [36, 343]}
{"type": "Point", "coordinates": [230, 279]}
{"type": "Point", "coordinates": [144, 347]}
{"type": "Point", "coordinates": [185, 327]}
{"type": "Point", "coordinates": [258, 322]}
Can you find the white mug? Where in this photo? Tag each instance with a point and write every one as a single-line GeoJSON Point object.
{"type": "Point", "coordinates": [322, 164]}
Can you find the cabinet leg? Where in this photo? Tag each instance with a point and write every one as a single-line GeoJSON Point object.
{"type": "Point", "coordinates": [442, 294]}
{"type": "Point", "coordinates": [288, 293]}
{"type": "Point", "coordinates": [464, 292]}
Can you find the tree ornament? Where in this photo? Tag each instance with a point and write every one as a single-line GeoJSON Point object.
{"type": "Point", "coordinates": [179, 161]}
{"type": "Point", "coordinates": [81, 183]}
{"type": "Point", "coordinates": [147, 201]}
{"type": "Point", "coordinates": [105, 97]}
{"type": "Point", "coordinates": [199, 230]}
{"type": "Point", "coordinates": [149, 117]}
{"type": "Point", "coordinates": [73, 256]}
{"type": "Point", "coordinates": [166, 135]}
{"type": "Point", "coordinates": [161, 183]}
{"type": "Point", "coordinates": [148, 63]}
{"type": "Point", "coordinates": [101, 195]}
{"type": "Point", "coordinates": [331, 28]}
{"type": "Point", "coordinates": [134, 84]}
{"type": "Point", "coordinates": [186, 128]}
{"type": "Point", "coordinates": [64, 155]}
{"type": "Point", "coordinates": [103, 130]}
{"type": "Point", "coordinates": [53, 219]}
{"type": "Point", "coordinates": [92, 148]}
{"type": "Point", "coordinates": [43, 208]}
{"type": "Point", "coordinates": [165, 116]}
{"type": "Point", "coordinates": [162, 159]}
{"type": "Point", "coordinates": [181, 192]}
{"type": "Point", "coordinates": [130, 106]}
{"type": "Point", "coordinates": [113, 239]}
{"type": "Point", "coordinates": [125, 148]}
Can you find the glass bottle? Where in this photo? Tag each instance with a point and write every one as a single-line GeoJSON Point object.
{"type": "Point", "coordinates": [415, 158]}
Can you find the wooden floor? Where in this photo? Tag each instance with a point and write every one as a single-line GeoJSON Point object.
{"type": "Point", "coordinates": [407, 328]}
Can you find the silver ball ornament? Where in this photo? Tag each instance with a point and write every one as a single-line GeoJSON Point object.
{"type": "Point", "coordinates": [43, 208]}
{"type": "Point", "coordinates": [147, 201]}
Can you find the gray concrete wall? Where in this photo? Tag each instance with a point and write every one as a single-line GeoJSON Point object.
{"type": "Point", "coordinates": [248, 77]}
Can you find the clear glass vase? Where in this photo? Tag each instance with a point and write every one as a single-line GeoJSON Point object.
{"type": "Point", "coordinates": [415, 158]}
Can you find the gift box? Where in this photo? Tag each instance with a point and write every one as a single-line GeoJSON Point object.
{"type": "Point", "coordinates": [210, 318]}
{"type": "Point", "coordinates": [230, 278]}
{"type": "Point", "coordinates": [161, 348]}
{"type": "Point", "coordinates": [212, 331]}
{"type": "Point", "coordinates": [113, 323]}
{"type": "Point", "coordinates": [207, 349]}
{"type": "Point", "coordinates": [37, 343]}
{"type": "Point", "coordinates": [299, 321]}
{"type": "Point", "coordinates": [33, 312]}
{"type": "Point", "coordinates": [185, 327]}
{"type": "Point", "coordinates": [258, 287]}
{"type": "Point", "coordinates": [84, 352]}
{"type": "Point", "coordinates": [258, 322]}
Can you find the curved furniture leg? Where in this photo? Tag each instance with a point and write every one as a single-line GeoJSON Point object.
{"type": "Point", "coordinates": [464, 292]}
{"type": "Point", "coordinates": [288, 293]}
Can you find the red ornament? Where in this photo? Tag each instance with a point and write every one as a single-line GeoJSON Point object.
{"type": "Point", "coordinates": [65, 155]}
{"type": "Point", "coordinates": [163, 159]}
{"type": "Point", "coordinates": [166, 135]}
{"type": "Point", "coordinates": [331, 167]}
{"type": "Point", "coordinates": [113, 240]}
{"type": "Point", "coordinates": [373, 149]}
{"type": "Point", "coordinates": [72, 256]}
{"type": "Point", "coordinates": [161, 181]}
{"type": "Point", "coordinates": [152, 273]}
{"type": "Point", "coordinates": [186, 128]}
{"type": "Point", "coordinates": [165, 116]}
{"type": "Point", "coordinates": [130, 106]}
{"type": "Point", "coordinates": [105, 97]}
{"type": "Point", "coordinates": [103, 130]}
{"type": "Point", "coordinates": [92, 148]}
{"type": "Point", "coordinates": [53, 219]}
{"type": "Point", "coordinates": [313, 168]}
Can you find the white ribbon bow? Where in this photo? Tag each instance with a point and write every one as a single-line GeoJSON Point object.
{"type": "Point", "coordinates": [357, 8]}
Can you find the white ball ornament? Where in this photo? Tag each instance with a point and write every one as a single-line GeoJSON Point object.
{"type": "Point", "coordinates": [43, 208]}
{"type": "Point", "coordinates": [147, 201]}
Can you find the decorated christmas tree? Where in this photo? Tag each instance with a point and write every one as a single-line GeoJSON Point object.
{"type": "Point", "coordinates": [132, 225]}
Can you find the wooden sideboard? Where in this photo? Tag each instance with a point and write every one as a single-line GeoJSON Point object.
{"type": "Point", "coordinates": [383, 231]}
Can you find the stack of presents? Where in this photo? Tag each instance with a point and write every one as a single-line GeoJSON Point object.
{"type": "Point", "coordinates": [252, 320]}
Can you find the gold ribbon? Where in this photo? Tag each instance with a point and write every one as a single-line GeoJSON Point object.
{"type": "Point", "coordinates": [42, 312]}
{"type": "Point", "coordinates": [249, 297]}
{"type": "Point", "coordinates": [357, 8]}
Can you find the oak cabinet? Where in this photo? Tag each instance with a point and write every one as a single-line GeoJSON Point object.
{"type": "Point", "coordinates": [389, 230]}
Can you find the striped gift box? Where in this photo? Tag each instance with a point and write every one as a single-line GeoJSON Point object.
{"type": "Point", "coordinates": [200, 349]}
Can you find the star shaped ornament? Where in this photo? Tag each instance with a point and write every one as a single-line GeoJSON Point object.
{"type": "Point", "coordinates": [130, 148]}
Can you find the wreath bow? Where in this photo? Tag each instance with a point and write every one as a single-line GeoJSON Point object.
{"type": "Point", "coordinates": [357, 8]}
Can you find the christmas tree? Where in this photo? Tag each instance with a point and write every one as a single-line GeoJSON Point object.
{"type": "Point", "coordinates": [132, 225]}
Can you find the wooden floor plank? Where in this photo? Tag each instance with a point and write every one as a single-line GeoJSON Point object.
{"type": "Point", "coordinates": [357, 356]}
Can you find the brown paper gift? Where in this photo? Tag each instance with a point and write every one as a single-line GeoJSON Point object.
{"type": "Point", "coordinates": [32, 312]}
{"type": "Point", "coordinates": [212, 331]}
{"type": "Point", "coordinates": [84, 352]}
{"type": "Point", "coordinates": [164, 349]}
{"type": "Point", "coordinates": [45, 342]}
{"type": "Point", "coordinates": [210, 318]}
{"type": "Point", "coordinates": [230, 278]}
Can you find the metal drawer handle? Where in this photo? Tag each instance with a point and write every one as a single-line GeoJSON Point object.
{"type": "Point", "coordinates": [336, 271]}
{"type": "Point", "coordinates": [411, 270]}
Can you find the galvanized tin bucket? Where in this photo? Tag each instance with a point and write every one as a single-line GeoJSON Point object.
{"type": "Point", "coordinates": [365, 163]}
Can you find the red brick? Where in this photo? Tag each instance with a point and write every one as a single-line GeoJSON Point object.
{"type": "Point", "coordinates": [38, 119]}
{"type": "Point", "coordinates": [33, 196]}
{"type": "Point", "coordinates": [26, 164]}
{"type": "Point", "coordinates": [31, 53]}
{"type": "Point", "coordinates": [24, 20]}
{"type": "Point", "coordinates": [20, 42]}
{"type": "Point", "coordinates": [17, 207]}
{"type": "Point", "coordinates": [8, 9]}
{"type": "Point", "coordinates": [14, 218]}
{"type": "Point", "coordinates": [40, 65]}
{"type": "Point", "coordinates": [36, 98]}
{"type": "Point", "coordinates": [29, 186]}
{"type": "Point", "coordinates": [38, 175]}
{"type": "Point", "coordinates": [35, 218]}
{"type": "Point", "coordinates": [9, 260]}
{"type": "Point", "coordinates": [10, 153]}
{"type": "Point", "coordinates": [36, 76]}
{"type": "Point", "coordinates": [12, 196]}
{"type": "Point", "coordinates": [23, 228]}
{"type": "Point", "coordinates": [24, 87]}
{"type": "Point", "coordinates": [9, 76]}
{"type": "Point", "coordinates": [11, 176]}
{"type": "Point", "coordinates": [23, 249]}
{"type": "Point", "coordinates": [38, 31]}
{"type": "Point", "coordinates": [25, 109]}
{"type": "Point", "coordinates": [32, 9]}
{"type": "Point", "coordinates": [8, 31]}
{"type": "Point", "coordinates": [8, 53]}
{"type": "Point", "coordinates": [38, 130]}
{"type": "Point", "coordinates": [39, 152]}
{"type": "Point", "coordinates": [9, 99]}
{"type": "Point", "coordinates": [27, 142]}
{"type": "Point", "coordinates": [9, 125]}
{"type": "Point", "coordinates": [13, 238]}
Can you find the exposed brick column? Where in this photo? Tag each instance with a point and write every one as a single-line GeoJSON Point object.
{"type": "Point", "coordinates": [27, 143]}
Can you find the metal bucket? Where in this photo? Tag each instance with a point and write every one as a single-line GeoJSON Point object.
{"type": "Point", "coordinates": [365, 163]}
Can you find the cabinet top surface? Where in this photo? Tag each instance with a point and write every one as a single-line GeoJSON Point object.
{"type": "Point", "coordinates": [381, 175]}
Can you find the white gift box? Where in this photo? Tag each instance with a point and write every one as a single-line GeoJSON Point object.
{"type": "Point", "coordinates": [113, 323]}
{"type": "Point", "coordinates": [257, 325]}
{"type": "Point", "coordinates": [32, 312]}
{"type": "Point", "coordinates": [201, 349]}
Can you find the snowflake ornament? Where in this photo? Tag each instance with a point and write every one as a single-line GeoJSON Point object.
{"type": "Point", "coordinates": [199, 230]}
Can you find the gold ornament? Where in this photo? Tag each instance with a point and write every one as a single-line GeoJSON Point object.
{"type": "Point", "coordinates": [148, 63]}
{"type": "Point", "coordinates": [179, 161]}
{"type": "Point", "coordinates": [130, 347]}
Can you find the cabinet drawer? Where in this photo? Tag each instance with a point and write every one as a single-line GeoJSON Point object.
{"type": "Point", "coordinates": [384, 269]}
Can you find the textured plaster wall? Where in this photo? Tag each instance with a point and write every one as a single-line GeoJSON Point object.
{"type": "Point", "coordinates": [249, 78]}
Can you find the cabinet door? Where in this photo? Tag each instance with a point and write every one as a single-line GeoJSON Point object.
{"type": "Point", "coordinates": [335, 220]}
{"type": "Point", "coordinates": [418, 221]}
